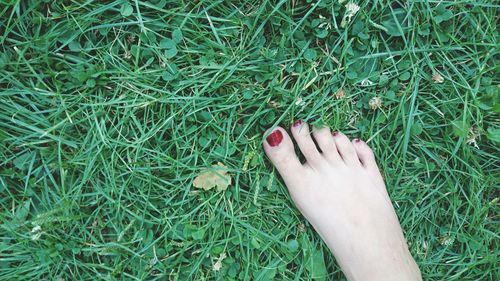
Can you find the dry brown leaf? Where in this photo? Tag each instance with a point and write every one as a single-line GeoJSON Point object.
{"type": "Point", "coordinates": [216, 177]}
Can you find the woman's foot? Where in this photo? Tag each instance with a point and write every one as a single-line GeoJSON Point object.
{"type": "Point", "coordinates": [341, 192]}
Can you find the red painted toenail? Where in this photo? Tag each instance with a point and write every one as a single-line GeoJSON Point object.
{"type": "Point", "coordinates": [335, 134]}
{"type": "Point", "coordinates": [298, 123]}
{"type": "Point", "coordinates": [357, 140]}
{"type": "Point", "coordinates": [275, 138]}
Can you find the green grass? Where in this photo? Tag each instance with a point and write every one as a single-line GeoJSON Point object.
{"type": "Point", "coordinates": [109, 109]}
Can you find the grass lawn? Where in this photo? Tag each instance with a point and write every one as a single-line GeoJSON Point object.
{"type": "Point", "coordinates": [110, 109]}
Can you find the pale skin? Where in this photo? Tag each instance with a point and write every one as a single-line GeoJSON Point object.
{"type": "Point", "coordinates": [340, 191]}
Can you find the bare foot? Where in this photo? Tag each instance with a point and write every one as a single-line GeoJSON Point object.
{"type": "Point", "coordinates": [341, 192]}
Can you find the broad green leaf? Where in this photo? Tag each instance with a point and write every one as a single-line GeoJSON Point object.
{"type": "Point", "coordinates": [316, 265]}
{"type": "Point", "coordinates": [255, 243]}
{"type": "Point", "coordinates": [310, 54]}
{"type": "Point", "coordinates": [405, 76]}
{"type": "Point", "coordinates": [198, 235]}
{"type": "Point", "coordinates": [395, 22]}
{"type": "Point", "coordinates": [443, 17]}
{"type": "Point", "coordinates": [416, 129]}
{"type": "Point", "coordinates": [493, 134]}
{"type": "Point", "coordinates": [21, 161]}
{"type": "Point", "coordinates": [314, 260]}
{"type": "Point", "coordinates": [460, 128]}
{"type": "Point", "coordinates": [293, 245]}
{"type": "Point", "coordinates": [383, 79]}
{"type": "Point", "coordinates": [22, 211]}
{"type": "Point", "coordinates": [170, 53]}
{"type": "Point", "coordinates": [167, 43]}
{"type": "Point", "coordinates": [177, 35]}
{"type": "Point", "coordinates": [266, 274]}
{"type": "Point", "coordinates": [126, 9]}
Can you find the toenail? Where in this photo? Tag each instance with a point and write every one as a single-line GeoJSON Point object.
{"type": "Point", "coordinates": [357, 140]}
{"type": "Point", "coordinates": [335, 134]}
{"type": "Point", "coordinates": [275, 138]}
{"type": "Point", "coordinates": [298, 123]}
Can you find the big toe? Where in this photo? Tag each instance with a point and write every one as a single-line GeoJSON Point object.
{"type": "Point", "coordinates": [279, 148]}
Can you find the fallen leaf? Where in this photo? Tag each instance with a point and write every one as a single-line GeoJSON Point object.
{"type": "Point", "coordinates": [216, 177]}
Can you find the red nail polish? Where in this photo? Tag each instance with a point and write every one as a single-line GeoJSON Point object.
{"type": "Point", "coordinates": [298, 123]}
{"type": "Point", "coordinates": [335, 134]}
{"type": "Point", "coordinates": [275, 138]}
{"type": "Point", "coordinates": [357, 140]}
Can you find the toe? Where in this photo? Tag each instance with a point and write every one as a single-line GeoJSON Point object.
{"type": "Point", "coordinates": [345, 149]}
{"type": "Point", "coordinates": [365, 155]}
{"type": "Point", "coordinates": [302, 136]}
{"type": "Point", "coordinates": [325, 141]}
{"type": "Point", "coordinates": [279, 148]}
{"type": "Point", "coordinates": [367, 159]}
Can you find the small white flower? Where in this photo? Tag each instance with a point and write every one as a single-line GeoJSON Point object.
{"type": "Point", "coordinates": [218, 264]}
{"type": "Point", "coordinates": [301, 227]}
{"type": "Point", "coordinates": [471, 137]}
{"type": "Point", "coordinates": [437, 78]}
{"type": "Point", "coordinates": [131, 38]}
{"type": "Point", "coordinates": [340, 93]}
{"type": "Point", "coordinates": [375, 103]}
{"type": "Point", "coordinates": [36, 232]}
{"type": "Point", "coordinates": [351, 10]}
{"type": "Point", "coordinates": [447, 240]}
{"type": "Point", "coordinates": [153, 261]}
{"type": "Point", "coordinates": [274, 104]}
{"type": "Point", "coordinates": [299, 101]}
{"type": "Point", "coordinates": [366, 83]}
{"type": "Point", "coordinates": [325, 23]}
